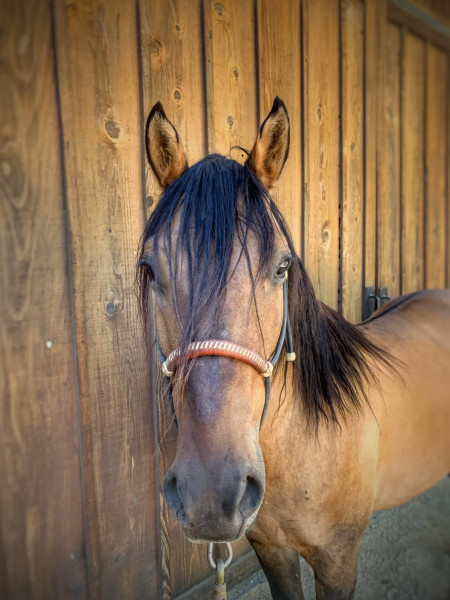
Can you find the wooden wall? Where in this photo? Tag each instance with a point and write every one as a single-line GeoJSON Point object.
{"type": "Point", "coordinates": [83, 447]}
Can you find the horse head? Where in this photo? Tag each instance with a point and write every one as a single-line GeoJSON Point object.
{"type": "Point", "coordinates": [215, 255]}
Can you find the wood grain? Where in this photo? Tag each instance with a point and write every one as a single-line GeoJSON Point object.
{"type": "Point", "coordinates": [370, 140]}
{"type": "Point", "coordinates": [352, 15]}
{"type": "Point", "coordinates": [98, 72]}
{"type": "Point", "coordinates": [413, 119]}
{"type": "Point", "coordinates": [321, 98]}
{"type": "Point", "coordinates": [279, 69]}
{"type": "Point", "coordinates": [230, 74]}
{"type": "Point", "coordinates": [436, 166]}
{"type": "Point", "coordinates": [448, 178]}
{"type": "Point", "coordinates": [172, 68]}
{"type": "Point", "coordinates": [42, 541]}
{"type": "Point", "coordinates": [388, 157]}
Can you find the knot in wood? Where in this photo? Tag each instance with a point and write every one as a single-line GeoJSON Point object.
{"type": "Point", "coordinates": [112, 129]}
{"type": "Point", "coordinates": [111, 309]}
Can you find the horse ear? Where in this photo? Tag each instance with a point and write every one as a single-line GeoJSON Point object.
{"type": "Point", "coordinates": [165, 151]}
{"type": "Point", "coordinates": [271, 148]}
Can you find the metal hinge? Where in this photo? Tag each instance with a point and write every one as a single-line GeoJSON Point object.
{"type": "Point", "coordinates": [373, 299]}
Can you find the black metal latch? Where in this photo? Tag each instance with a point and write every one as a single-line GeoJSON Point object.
{"type": "Point", "coordinates": [373, 299]}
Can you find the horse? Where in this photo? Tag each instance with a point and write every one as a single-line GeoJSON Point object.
{"type": "Point", "coordinates": [294, 425]}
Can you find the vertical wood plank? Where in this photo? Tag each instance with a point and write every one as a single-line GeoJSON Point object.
{"type": "Point", "coordinates": [230, 74]}
{"type": "Point", "coordinates": [413, 118]}
{"type": "Point", "coordinates": [98, 73]}
{"type": "Point", "coordinates": [388, 156]}
{"type": "Point", "coordinates": [353, 157]}
{"type": "Point", "coordinates": [321, 93]}
{"type": "Point", "coordinates": [279, 70]}
{"type": "Point", "coordinates": [448, 177]}
{"type": "Point", "coordinates": [370, 124]}
{"type": "Point", "coordinates": [172, 67]}
{"type": "Point", "coordinates": [42, 539]}
{"type": "Point", "coordinates": [436, 166]}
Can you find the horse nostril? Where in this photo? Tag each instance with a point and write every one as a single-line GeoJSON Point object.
{"type": "Point", "coordinates": [252, 496]}
{"type": "Point", "coordinates": [172, 495]}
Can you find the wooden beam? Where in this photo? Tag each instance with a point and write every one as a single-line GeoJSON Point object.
{"type": "Point", "coordinates": [412, 149]}
{"type": "Point", "coordinates": [419, 22]}
{"type": "Point", "coordinates": [321, 104]}
{"type": "Point", "coordinates": [172, 70]}
{"type": "Point", "coordinates": [102, 132]}
{"type": "Point", "coordinates": [230, 74]}
{"type": "Point", "coordinates": [435, 166]}
{"type": "Point", "coordinates": [279, 69]}
{"type": "Point", "coordinates": [388, 157]}
{"type": "Point", "coordinates": [371, 51]}
{"type": "Point", "coordinates": [352, 26]}
{"type": "Point", "coordinates": [41, 508]}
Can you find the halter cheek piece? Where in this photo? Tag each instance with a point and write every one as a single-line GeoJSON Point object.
{"type": "Point", "coordinates": [235, 351]}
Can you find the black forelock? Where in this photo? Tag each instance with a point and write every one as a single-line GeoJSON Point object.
{"type": "Point", "coordinates": [215, 200]}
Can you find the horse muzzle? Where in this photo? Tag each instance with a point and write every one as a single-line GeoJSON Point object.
{"type": "Point", "coordinates": [219, 506]}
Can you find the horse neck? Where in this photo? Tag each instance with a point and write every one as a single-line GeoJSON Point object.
{"type": "Point", "coordinates": [286, 410]}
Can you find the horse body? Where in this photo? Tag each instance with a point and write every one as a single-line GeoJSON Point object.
{"type": "Point", "coordinates": [414, 409]}
{"type": "Point", "coordinates": [359, 422]}
{"type": "Point", "coordinates": [395, 449]}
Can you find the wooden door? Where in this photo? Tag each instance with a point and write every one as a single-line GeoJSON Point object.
{"type": "Point", "coordinates": [84, 443]}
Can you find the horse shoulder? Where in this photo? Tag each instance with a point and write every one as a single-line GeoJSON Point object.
{"type": "Point", "coordinates": [326, 486]}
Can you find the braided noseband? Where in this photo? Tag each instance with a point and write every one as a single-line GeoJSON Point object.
{"type": "Point", "coordinates": [218, 348]}
{"type": "Point", "coordinates": [235, 351]}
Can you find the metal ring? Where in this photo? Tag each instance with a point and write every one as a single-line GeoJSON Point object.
{"type": "Point", "coordinates": [212, 562]}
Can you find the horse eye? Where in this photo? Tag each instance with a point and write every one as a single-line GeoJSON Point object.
{"type": "Point", "coordinates": [283, 267]}
{"type": "Point", "coordinates": [148, 269]}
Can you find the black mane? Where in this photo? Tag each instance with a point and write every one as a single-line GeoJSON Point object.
{"type": "Point", "coordinates": [333, 356]}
